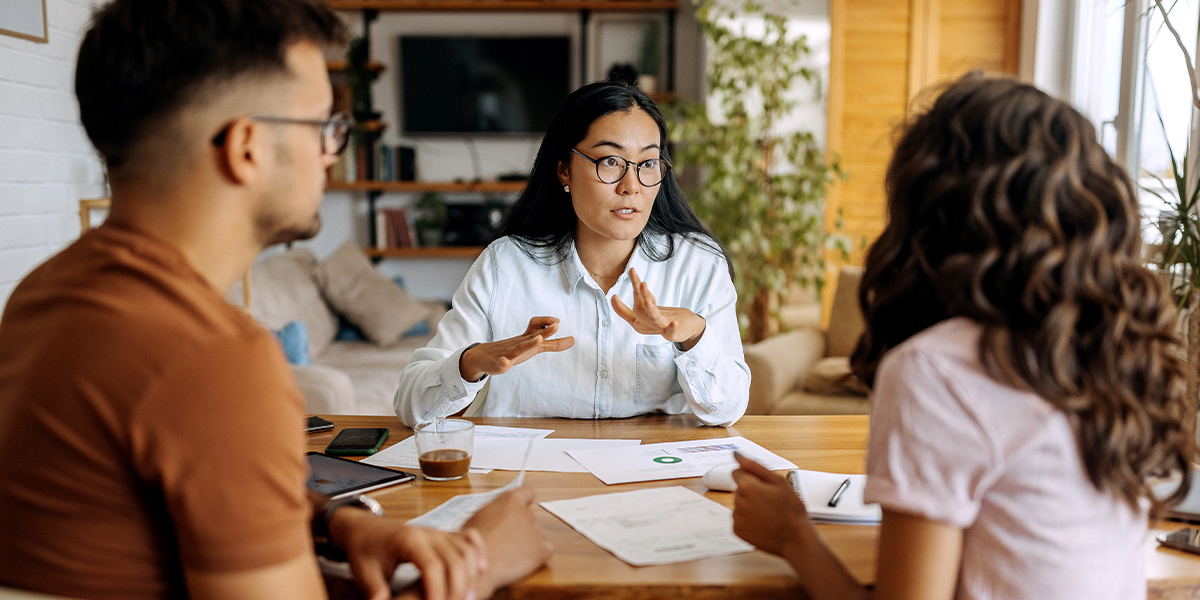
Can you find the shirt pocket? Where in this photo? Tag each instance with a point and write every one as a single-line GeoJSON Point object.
{"type": "Point", "coordinates": [655, 373]}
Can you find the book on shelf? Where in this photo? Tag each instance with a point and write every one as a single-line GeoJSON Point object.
{"type": "Point", "coordinates": [392, 229]}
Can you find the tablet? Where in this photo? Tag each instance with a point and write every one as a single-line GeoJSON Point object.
{"type": "Point", "coordinates": [336, 477]}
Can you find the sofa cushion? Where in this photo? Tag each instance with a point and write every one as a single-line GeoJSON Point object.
{"type": "Point", "coordinates": [804, 403]}
{"type": "Point", "coordinates": [283, 289]}
{"type": "Point", "coordinates": [375, 371]}
{"type": "Point", "coordinates": [845, 316]}
{"type": "Point", "coordinates": [832, 376]}
{"type": "Point", "coordinates": [366, 298]}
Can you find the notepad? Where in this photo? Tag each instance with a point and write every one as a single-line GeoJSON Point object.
{"type": "Point", "coordinates": [816, 488]}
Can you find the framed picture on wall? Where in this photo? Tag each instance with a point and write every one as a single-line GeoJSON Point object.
{"type": "Point", "coordinates": [630, 43]}
{"type": "Point", "coordinates": [25, 19]}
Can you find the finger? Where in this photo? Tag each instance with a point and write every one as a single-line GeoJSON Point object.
{"type": "Point", "coordinates": [371, 580]}
{"type": "Point", "coordinates": [623, 311]}
{"type": "Point", "coordinates": [433, 574]}
{"type": "Point", "coordinates": [537, 324]}
{"type": "Point", "coordinates": [633, 277]}
{"type": "Point", "coordinates": [461, 565]}
{"type": "Point", "coordinates": [748, 466]}
{"type": "Point", "coordinates": [476, 539]}
{"type": "Point", "coordinates": [558, 344]}
{"type": "Point", "coordinates": [671, 329]}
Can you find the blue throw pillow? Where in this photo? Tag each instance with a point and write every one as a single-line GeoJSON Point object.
{"type": "Point", "coordinates": [294, 339]}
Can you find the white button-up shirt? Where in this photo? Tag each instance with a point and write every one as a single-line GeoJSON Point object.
{"type": "Point", "coordinates": [612, 371]}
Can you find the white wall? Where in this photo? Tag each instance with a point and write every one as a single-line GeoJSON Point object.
{"type": "Point", "coordinates": [47, 163]}
{"type": "Point", "coordinates": [448, 158]}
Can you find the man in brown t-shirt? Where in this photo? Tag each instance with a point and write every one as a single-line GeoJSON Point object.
{"type": "Point", "coordinates": [150, 441]}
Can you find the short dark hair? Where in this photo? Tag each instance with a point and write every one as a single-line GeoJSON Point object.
{"type": "Point", "coordinates": [142, 59]}
{"type": "Point", "coordinates": [543, 219]}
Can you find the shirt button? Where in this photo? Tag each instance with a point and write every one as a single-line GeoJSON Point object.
{"type": "Point", "coordinates": [455, 388]}
{"type": "Point", "coordinates": [605, 323]}
{"type": "Point", "coordinates": [604, 373]}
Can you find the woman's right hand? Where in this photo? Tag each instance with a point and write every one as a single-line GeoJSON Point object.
{"type": "Point", "coordinates": [766, 510]}
{"type": "Point", "coordinates": [495, 358]}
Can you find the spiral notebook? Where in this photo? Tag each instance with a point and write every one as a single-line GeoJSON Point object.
{"type": "Point", "coordinates": [817, 489]}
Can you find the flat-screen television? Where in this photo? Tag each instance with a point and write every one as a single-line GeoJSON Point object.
{"type": "Point", "coordinates": [482, 85]}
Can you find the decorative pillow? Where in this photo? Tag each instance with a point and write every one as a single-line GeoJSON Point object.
{"type": "Point", "coordinates": [366, 298]}
{"type": "Point", "coordinates": [294, 339]}
{"type": "Point", "coordinates": [832, 376]}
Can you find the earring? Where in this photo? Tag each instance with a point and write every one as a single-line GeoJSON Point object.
{"type": "Point", "coordinates": [567, 189]}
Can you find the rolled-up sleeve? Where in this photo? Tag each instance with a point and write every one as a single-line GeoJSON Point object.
{"type": "Point", "coordinates": [713, 373]}
{"type": "Point", "coordinates": [432, 386]}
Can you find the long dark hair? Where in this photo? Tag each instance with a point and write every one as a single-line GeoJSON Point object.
{"type": "Point", "coordinates": [543, 219]}
{"type": "Point", "coordinates": [1004, 208]}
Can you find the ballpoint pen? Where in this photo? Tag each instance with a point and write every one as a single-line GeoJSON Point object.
{"type": "Point", "coordinates": [838, 494]}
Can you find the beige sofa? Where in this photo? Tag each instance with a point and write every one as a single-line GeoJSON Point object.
{"type": "Point", "coordinates": [346, 377]}
{"type": "Point", "coordinates": [806, 371]}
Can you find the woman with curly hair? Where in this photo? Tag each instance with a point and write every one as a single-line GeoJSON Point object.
{"type": "Point", "coordinates": [1026, 388]}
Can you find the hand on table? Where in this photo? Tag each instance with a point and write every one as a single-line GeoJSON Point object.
{"type": "Point", "coordinates": [766, 510]}
{"type": "Point", "coordinates": [678, 325]}
{"type": "Point", "coordinates": [515, 546]}
{"type": "Point", "coordinates": [498, 357]}
{"type": "Point", "coordinates": [450, 563]}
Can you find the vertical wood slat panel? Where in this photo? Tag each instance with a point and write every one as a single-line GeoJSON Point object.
{"type": "Point", "coordinates": [874, 73]}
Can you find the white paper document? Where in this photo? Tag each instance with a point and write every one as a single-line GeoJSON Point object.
{"type": "Point", "coordinates": [653, 527]}
{"type": "Point", "coordinates": [488, 439]}
{"type": "Point", "coordinates": [816, 489]}
{"type": "Point", "coordinates": [673, 460]}
{"type": "Point", "coordinates": [548, 454]}
{"type": "Point", "coordinates": [452, 514]}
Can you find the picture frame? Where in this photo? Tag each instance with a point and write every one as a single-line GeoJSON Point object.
{"type": "Point", "coordinates": [619, 38]}
{"type": "Point", "coordinates": [25, 19]}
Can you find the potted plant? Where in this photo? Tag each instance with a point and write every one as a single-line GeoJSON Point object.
{"type": "Point", "coordinates": [1179, 260]}
{"type": "Point", "coordinates": [763, 188]}
{"type": "Point", "coordinates": [431, 222]}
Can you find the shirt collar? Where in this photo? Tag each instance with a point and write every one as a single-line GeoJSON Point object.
{"type": "Point", "coordinates": [574, 272]}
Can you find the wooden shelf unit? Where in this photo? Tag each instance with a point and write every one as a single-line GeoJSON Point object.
{"type": "Point", "coordinates": [418, 187]}
{"type": "Point", "coordinates": [370, 10]}
{"type": "Point", "coordinates": [468, 252]}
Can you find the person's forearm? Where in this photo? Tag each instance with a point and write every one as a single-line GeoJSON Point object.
{"type": "Point", "coordinates": [823, 576]}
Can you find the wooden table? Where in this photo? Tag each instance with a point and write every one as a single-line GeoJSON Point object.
{"type": "Point", "coordinates": [579, 569]}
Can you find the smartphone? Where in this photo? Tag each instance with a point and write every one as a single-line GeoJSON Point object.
{"type": "Point", "coordinates": [360, 441]}
{"type": "Point", "coordinates": [317, 424]}
{"type": "Point", "coordinates": [1187, 539]}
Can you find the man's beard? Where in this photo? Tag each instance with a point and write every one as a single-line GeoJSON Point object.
{"type": "Point", "coordinates": [295, 234]}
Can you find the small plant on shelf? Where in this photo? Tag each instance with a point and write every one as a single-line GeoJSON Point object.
{"type": "Point", "coordinates": [431, 222]}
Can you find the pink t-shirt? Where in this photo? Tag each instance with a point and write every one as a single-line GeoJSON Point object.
{"type": "Point", "coordinates": [952, 444]}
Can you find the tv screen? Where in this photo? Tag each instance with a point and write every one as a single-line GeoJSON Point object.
{"type": "Point", "coordinates": [482, 84]}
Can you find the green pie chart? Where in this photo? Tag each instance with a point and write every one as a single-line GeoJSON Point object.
{"type": "Point", "coordinates": [668, 460]}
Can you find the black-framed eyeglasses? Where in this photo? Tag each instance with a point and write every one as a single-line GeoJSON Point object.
{"type": "Point", "coordinates": [335, 131]}
{"type": "Point", "coordinates": [611, 169]}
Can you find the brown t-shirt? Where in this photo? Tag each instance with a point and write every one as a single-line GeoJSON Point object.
{"type": "Point", "coordinates": [145, 425]}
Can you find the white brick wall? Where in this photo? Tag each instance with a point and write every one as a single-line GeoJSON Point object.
{"type": "Point", "coordinates": [46, 162]}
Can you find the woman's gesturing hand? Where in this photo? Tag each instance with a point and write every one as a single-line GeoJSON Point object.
{"type": "Point", "coordinates": [678, 325]}
{"type": "Point", "coordinates": [498, 357]}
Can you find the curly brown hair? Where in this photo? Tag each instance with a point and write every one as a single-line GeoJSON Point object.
{"type": "Point", "coordinates": [1004, 208]}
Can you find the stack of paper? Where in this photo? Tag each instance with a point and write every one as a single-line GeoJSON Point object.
{"type": "Point", "coordinates": [816, 489]}
{"type": "Point", "coordinates": [653, 527]}
{"type": "Point", "coordinates": [673, 460]}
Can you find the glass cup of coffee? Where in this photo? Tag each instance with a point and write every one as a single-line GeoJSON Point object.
{"type": "Point", "coordinates": [444, 448]}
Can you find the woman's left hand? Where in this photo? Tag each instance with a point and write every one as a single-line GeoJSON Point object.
{"type": "Point", "coordinates": [678, 325]}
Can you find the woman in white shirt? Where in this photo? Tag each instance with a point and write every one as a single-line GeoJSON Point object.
{"type": "Point", "coordinates": [1026, 386]}
{"type": "Point", "coordinates": [603, 247]}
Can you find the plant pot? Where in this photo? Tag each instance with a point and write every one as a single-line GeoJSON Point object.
{"type": "Point", "coordinates": [648, 83]}
{"type": "Point", "coordinates": [431, 238]}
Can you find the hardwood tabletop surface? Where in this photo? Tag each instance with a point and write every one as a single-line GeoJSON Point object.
{"type": "Point", "coordinates": [579, 569]}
